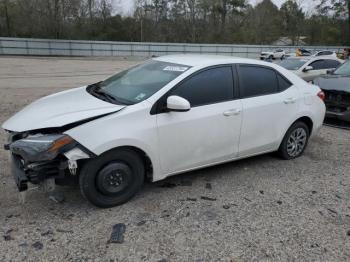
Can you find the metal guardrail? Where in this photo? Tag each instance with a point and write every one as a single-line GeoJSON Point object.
{"type": "Point", "coordinates": [53, 47]}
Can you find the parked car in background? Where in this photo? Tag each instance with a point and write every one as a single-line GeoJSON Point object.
{"type": "Point", "coordinates": [277, 54]}
{"type": "Point", "coordinates": [166, 116]}
{"type": "Point", "coordinates": [308, 68]}
{"type": "Point", "coordinates": [325, 53]}
{"type": "Point", "coordinates": [336, 86]}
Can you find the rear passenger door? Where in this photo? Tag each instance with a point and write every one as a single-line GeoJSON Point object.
{"type": "Point", "coordinates": [269, 103]}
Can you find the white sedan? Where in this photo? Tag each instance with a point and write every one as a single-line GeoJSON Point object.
{"type": "Point", "coordinates": [326, 53]}
{"type": "Point", "coordinates": [276, 54]}
{"type": "Point", "coordinates": [311, 67]}
{"type": "Point", "coordinates": [166, 116]}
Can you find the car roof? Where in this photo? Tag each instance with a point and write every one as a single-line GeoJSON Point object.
{"type": "Point", "coordinates": [308, 58]}
{"type": "Point", "coordinates": [200, 60]}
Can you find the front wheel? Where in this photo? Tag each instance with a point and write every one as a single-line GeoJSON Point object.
{"type": "Point", "coordinates": [295, 141]}
{"type": "Point", "coordinates": [112, 178]}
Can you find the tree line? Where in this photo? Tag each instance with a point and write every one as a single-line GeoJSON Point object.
{"type": "Point", "coordinates": [189, 21]}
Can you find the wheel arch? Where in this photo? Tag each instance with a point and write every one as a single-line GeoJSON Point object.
{"type": "Point", "coordinates": [308, 121]}
{"type": "Point", "coordinates": [305, 119]}
{"type": "Point", "coordinates": [148, 164]}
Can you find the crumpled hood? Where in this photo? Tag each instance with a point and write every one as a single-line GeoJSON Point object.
{"type": "Point", "coordinates": [58, 110]}
{"type": "Point", "coordinates": [334, 82]}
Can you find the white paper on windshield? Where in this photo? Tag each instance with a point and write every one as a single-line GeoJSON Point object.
{"type": "Point", "coordinates": [140, 96]}
{"type": "Point", "coordinates": [176, 68]}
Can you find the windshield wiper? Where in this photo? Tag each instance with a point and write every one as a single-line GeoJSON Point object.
{"type": "Point", "coordinates": [105, 96]}
{"type": "Point", "coordinates": [96, 90]}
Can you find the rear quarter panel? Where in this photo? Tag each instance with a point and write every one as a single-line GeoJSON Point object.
{"type": "Point", "coordinates": [310, 105]}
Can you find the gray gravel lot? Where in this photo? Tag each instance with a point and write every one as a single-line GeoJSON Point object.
{"type": "Point", "coordinates": [258, 209]}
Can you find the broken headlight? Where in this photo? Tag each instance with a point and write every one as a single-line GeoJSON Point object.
{"type": "Point", "coordinates": [42, 147]}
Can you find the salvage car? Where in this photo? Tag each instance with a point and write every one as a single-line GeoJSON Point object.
{"type": "Point", "coordinates": [336, 86]}
{"type": "Point", "coordinates": [308, 68]}
{"type": "Point", "coordinates": [166, 116]}
{"type": "Point", "coordinates": [325, 53]}
{"type": "Point", "coordinates": [277, 54]}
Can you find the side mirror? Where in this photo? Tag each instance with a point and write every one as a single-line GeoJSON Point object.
{"type": "Point", "coordinates": [308, 68]}
{"type": "Point", "coordinates": [177, 104]}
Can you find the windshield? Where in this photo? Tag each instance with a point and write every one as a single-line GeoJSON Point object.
{"type": "Point", "coordinates": [138, 83]}
{"type": "Point", "coordinates": [344, 69]}
{"type": "Point", "coordinates": [292, 64]}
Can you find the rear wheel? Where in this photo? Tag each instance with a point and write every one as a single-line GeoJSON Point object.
{"type": "Point", "coordinates": [112, 178]}
{"type": "Point", "coordinates": [295, 141]}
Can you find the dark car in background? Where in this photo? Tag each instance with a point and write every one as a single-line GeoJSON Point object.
{"type": "Point", "coordinates": [336, 86]}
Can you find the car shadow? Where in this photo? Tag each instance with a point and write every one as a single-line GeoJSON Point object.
{"type": "Point", "coordinates": [74, 201]}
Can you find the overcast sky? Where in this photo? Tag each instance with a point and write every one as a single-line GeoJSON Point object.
{"type": "Point", "coordinates": [127, 5]}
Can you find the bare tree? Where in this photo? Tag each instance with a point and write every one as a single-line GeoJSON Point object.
{"type": "Point", "coordinates": [192, 8]}
{"type": "Point", "coordinates": [7, 17]}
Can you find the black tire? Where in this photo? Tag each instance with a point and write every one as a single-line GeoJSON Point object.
{"type": "Point", "coordinates": [96, 179]}
{"type": "Point", "coordinates": [271, 57]}
{"type": "Point", "coordinates": [282, 57]}
{"type": "Point", "coordinates": [285, 150]}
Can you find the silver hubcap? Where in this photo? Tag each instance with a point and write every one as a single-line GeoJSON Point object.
{"type": "Point", "coordinates": [296, 142]}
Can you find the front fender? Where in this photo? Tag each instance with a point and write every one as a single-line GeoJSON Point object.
{"type": "Point", "coordinates": [134, 126]}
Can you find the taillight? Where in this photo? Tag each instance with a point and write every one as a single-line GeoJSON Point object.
{"type": "Point", "coordinates": [321, 95]}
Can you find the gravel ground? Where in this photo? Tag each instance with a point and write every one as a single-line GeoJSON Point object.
{"type": "Point", "coordinates": [258, 209]}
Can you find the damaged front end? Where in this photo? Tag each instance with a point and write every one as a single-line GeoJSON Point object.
{"type": "Point", "coordinates": [44, 159]}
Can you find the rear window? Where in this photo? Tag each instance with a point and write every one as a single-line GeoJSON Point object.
{"type": "Point", "coordinates": [331, 63]}
{"type": "Point", "coordinates": [257, 81]}
{"type": "Point", "coordinates": [283, 83]}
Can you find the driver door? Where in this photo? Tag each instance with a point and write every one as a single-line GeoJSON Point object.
{"type": "Point", "coordinates": [209, 131]}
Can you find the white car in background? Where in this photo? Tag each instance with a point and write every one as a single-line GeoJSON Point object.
{"type": "Point", "coordinates": [326, 53]}
{"type": "Point", "coordinates": [310, 67]}
{"type": "Point", "coordinates": [277, 54]}
{"type": "Point", "coordinates": [166, 116]}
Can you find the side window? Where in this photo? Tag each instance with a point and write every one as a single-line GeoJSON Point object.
{"type": "Point", "coordinates": [257, 81]}
{"type": "Point", "coordinates": [331, 63]}
{"type": "Point", "coordinates": [283, 83]}
{"type": "Point", "coordinates": [208, 87]}
{"type": "Point", "coordinates": [318, 65]}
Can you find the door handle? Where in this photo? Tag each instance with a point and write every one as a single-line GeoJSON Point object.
{"type": "Point", "coordinates": [290, 100]}
{"type": "Point", "coordinates": [232, 112]}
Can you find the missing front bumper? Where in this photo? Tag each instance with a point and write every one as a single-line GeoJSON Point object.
{"type": "Point", "coordinates": [36, 173]}
{"type": "Point", "coordinates": [19, 175]}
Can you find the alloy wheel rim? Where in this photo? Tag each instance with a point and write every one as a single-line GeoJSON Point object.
{"type": "Point", "coordinates": [296, 142]}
